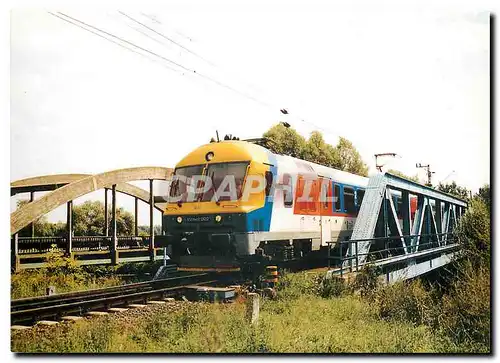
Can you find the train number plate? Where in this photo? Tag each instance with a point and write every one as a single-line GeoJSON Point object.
{"type": "Point", "coordinates": [197, 219]}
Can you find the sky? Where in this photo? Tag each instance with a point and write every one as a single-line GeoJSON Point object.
{"type": "Point", "coordinates": [405, 80]}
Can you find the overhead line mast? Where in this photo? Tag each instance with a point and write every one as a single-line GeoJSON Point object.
{"type": "Point", "coordinates": [428, 171]}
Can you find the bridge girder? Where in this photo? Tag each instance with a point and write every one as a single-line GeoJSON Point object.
{"type": "Point", "coordinates": [76, 185]}
{"type": "Point", "coordinates": [377, 209]}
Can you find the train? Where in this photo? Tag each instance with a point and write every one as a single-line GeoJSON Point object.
{"type": "Point", "coordinates": [295, 213]}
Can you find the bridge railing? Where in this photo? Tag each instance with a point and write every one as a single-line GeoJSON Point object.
{"type": "Point", "coordinates": [28, 245]}
{"type": "Point", "coordinates": [348, 255]}
{"type": "Point", "coordinates": [33, 245]}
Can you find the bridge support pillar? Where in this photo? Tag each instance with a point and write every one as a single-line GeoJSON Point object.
{"type": "Point", "coordinates": [15, 252]}
{"type": "Point", "coordinates": [151, 222]}
{"type": "Point", "coordinates": [106, 221]}
{"type": "Point", "coordinates": [69, 228]}
{"type": "Point", "coordinates": [114, 238]}
{"type": "Point", "coordinates": [136, 218]}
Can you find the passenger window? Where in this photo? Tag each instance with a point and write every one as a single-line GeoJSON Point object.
{"type": "Point", "coordinates": [349, 200]}
{"type": "Point", "coordinates": [360, 194]}
{"type": "Point", "coordinates": [287, 190]}
{"type": "Point", "coordinates": [336, 197]}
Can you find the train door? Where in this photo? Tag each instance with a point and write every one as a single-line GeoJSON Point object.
{"type": "Point", "coordinates": [300, 207]}
{"type": "Point", "coordinates": [326, 210]}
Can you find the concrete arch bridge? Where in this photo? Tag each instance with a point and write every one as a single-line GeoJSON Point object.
{"type": "Point", "coordinates": [63, 189]}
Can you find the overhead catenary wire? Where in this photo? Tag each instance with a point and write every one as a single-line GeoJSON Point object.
{"type": "Point", "coordinates": [212, 64]}
{"type": "Point", "coordinates": [85, 26]}
{"type": "Point", "coordinates": [154, 20]}
{"type": "Point", "coordinates": [191, 71]}
{"type": "Point", "coordinates": [112, 41]}
{"type": "Point", "coordinates": [204, 59]}
{"type": "Point", "coordinates": [165, 37]}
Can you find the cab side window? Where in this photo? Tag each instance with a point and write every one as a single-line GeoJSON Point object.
{"type": "Point", "coordinates": [349, 200]}
{"type": "Point", "coordinates": [287, 191]}
{"type": "Point", "coordinates": [269, 182]}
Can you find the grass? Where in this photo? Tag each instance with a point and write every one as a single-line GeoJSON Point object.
{"type": "Point", "coordinates": [305, 325]}
{"type": "Point", "coordinates": [309, 315]}
{"type": "Point", "coordinates": [299, 321]}
{"type": "Point", "coordinates": [34, 282]}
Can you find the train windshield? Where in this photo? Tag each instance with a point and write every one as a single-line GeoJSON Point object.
{"type": "Point", "coordinates": [229, 176]}
{"type": "Point", "coordinates": [179, 187]}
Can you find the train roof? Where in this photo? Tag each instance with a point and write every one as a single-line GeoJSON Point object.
{"type": "Point", "coordinates": [236, 150]}
{"type": "Point", "coordinates": [226, 151]}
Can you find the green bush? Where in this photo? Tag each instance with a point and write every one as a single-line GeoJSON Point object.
{"type": "Point", "coordinates": [292, 286]}
{"type": "Point", "coordinates": [465, 311]}
{"type": "Point", "coordinates": [61, 272]}
{"type": "Point", "coordinates": [474, 231]}
{"type": "Point", "coordinates": [459, 313]}
{"type": "Point", "coordinates": [406, 301]}
{"type": "Point", "coordinates": [366, 281]}
{"type": "Point", "coordinates": [332, 287]}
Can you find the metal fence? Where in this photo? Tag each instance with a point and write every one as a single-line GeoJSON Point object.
{"type": "Point", "coordinates": [348, 258]}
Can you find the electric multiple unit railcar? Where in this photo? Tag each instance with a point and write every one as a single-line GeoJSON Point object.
{"type": "Point", "coordinates": [275, 224]}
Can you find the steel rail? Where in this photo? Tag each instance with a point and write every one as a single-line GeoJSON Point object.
{"type": "Point", "coordinates": [80, 304]}
{"type": "Point", "coordinates": [52, 299]}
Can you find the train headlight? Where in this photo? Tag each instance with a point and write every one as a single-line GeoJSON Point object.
{"type": "Point", "coordinates": [209, 156]}
{"type": "Point", "coordinates": [218, 218]}
{"type": "Point", "coordinates": [179, 219]}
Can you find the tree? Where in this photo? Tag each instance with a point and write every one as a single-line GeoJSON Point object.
{"type": "Point", "coordinates": [343, 156]}
{"type": "Point", "coordinates": [485, 195]}
{"type": "Point", "coordinates": [349, 158]}
{"type": "Point", "coordinates": [88, 220]}
{"type": "Point", "coordinates": [318, 151]}
{"type": "Point", "coordinates": [144, 230]}
{"type": "Point", "coordinates": [285, 141]}
{"type": "Point", "coordinates": [454, 189]}
{"type": "Point", "coordinates": [402, 175]}
{"type": "Point", "coordinates": [43, 228]}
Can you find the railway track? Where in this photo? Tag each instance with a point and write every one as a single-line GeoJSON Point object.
{"type": "Point", "coordinates": [30, 310]}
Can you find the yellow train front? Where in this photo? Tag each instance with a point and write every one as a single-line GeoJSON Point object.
{"type": "Point", "coordinates": [208, 232]}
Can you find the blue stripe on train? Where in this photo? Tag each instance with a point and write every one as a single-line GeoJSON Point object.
{"type": "Point", "coordinates": [260, 219]}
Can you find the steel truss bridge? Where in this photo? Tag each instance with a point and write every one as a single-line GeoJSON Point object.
{"type": "Point", "coordinates": [28, 252]}
{"type": "Point", "coordinates": [401, 247]}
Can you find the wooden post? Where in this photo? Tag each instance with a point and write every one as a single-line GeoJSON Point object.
{"type": "Point", "coordinates": [69, 228]}
{"type": "Point", "coordinates": [32, 225]}
{"type": "Point", "coordinates": [252, 307]}
{"type": "Point", "coordinates": [151, 224]}
{"type": "Point", "coordinates": [106, 221]}
{"type": "Point", "coordinates": [114, 238]}
{"type": "Point", "coordinates": [136, 216]}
